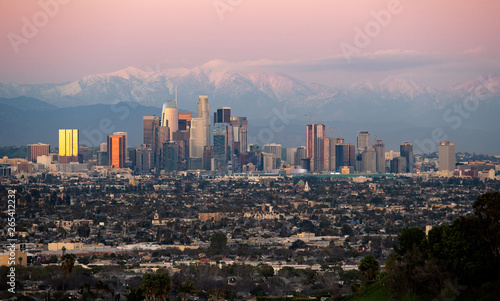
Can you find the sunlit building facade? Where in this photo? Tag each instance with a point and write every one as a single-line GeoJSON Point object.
{"type": "Point", "coordinates": [68, 145]}
{"type": "Point", "coordinates": [116, 151]}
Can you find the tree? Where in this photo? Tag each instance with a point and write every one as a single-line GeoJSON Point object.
{"type": "Point", "coordinates": [156, 287]}
{"type": "Point", "coordinates": [218, 241]}
{"type": "Point", "coordinates": [369, 268]}
{"type": "Point", "coordinates": [298, 244]}
{"type": "Point", "coordinates": [67, 264]}
{"type": "Point", "coordinates": [487, 209]}
{"type": "Point", "coordinates": [266, 270]}
{"type": "Point", "coordinates": [409, 238]}
{"type": "Point", "coordinates": [83, 230]}
{"type": "Point", "coordinates": [186, 288]}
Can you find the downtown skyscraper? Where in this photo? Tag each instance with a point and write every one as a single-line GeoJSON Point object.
{"type": "Point", "coordinates": [68, 146]}
{"type": "Point", "coordinates": [447, 156]}
{"type": "Point", "coordinates": [406, 151]}
{"type": "Point", "coordinates": [116, 151]}
{"type": "Point", "coordinates": [200, 130]}
{"type": "Point", "coordinates": [315, 135]}
{"type": "Point", "coordinates": [170, 116]}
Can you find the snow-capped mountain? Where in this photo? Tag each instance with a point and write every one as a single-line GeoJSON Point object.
{"type": "Point", "coordinates": [226, 86]}
{"type": "Point", "coordinates": [396, 109]}
{"type": "Point", "coordinates": [155, 87]}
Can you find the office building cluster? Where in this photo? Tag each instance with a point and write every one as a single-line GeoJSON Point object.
{"type": "Point", "coordinates": [177, 141]}
{"type": "Point", "coordinates": [329, 154]}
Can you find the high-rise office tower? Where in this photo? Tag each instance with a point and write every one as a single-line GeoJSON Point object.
{"type": "Point", "coordinates": [380, 155]}
{"type": "Point", "coordinates": [345, 155]}
{"type": "Point", "coordinates": [275, 150]}
{"type": "Point", "coordinates": [170, 160]}
{"type": "Point", "coordinates": [197, 138]}
{"type": "Point", "coordinates": [85, 153]}
{"type": "Point", "coordinates": [240, 132]}
{"type": "Point", "coordinates": [208, 154]}
{"type": "Point", "coordinates": [116, 150]}
{"type": "Point", "coordinates": [268, 161]}
{"type": "Point", "coordinates": [315, 135]}
{"type": "Point", "coordinates": [223, 142]}
{"type": "Point", "coordinates": [68, 146]}
{"type": "Point", "coordinates": [301, 154]}
{"type": "Point", "coordinates": [102, 158]}
{"type": "Point", "coordinates": [200, 132]}
{"type": "Point", "coordinates": [329, 154]}
{"type": "Point", "coordinates": [398, 165]}
{"type": "Point", "coordinates": [363, 141]}
{"type": "Point", "coordinates": [39, 149]}
{"type": "Point", "coordinates": [182, 140]}
{"type": "Point", "coordinates": [369, 160]}
{"type": "Point", "coordinates": [291, 153]}
{"type": "Point", "coordinates": [204, 113]}
{"type": "Point", "coordinates": [447, 156]}
{"type": "Point", "coordinates": [126, 141]}
{"type": "Point", "coordinates": [406, 150]}
{"type": "Point", "coordinates": [144, 159]}
{"type": "Point", "coordinates": [185, 121]}
{"type": "Point", "coordinates": [170, 116]}
{"type": "Point", "coordinates": [149, 123]}
{"type": "Point", "coordinates": [162, 135]}
{"type": "Point", "coordinates": [222, 115]}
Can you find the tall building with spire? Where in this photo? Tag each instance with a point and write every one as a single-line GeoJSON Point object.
{"type": "Point", "coordinates": [170, 116]}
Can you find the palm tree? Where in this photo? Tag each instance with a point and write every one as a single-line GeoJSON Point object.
{"type": "Point", "coordinates": [67, 264]}
{"type": "Point", "coordinates": [156, 287]}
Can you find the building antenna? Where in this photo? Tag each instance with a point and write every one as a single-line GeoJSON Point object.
{"type": "Point", "coordinates": [331, 131]}
{"type": "Point", "coordinates": [176, 96]}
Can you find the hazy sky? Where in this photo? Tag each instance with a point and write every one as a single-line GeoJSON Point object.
{"type": "Point", "coordinates": [437, 42]}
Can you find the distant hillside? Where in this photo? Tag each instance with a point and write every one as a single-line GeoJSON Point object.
{"type": "Point", "coordinates": [14, 151]}
{"type": "Point", "coordinates": [27, 103]}
{"type": "Point", "coordinates": [32, 122]}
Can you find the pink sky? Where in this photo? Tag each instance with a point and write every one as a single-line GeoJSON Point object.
{"type": "Point", "coordinates": [438, 41]}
